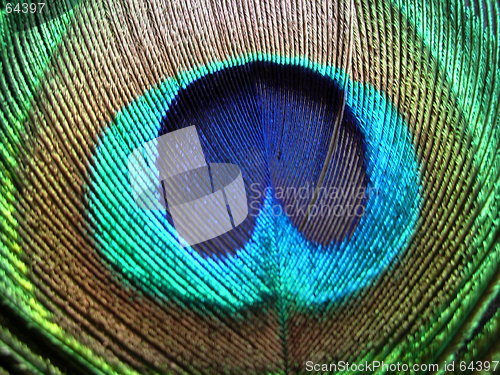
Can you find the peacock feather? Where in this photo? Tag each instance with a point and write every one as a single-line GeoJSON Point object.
{"type": "Point", "coordinates": [367, 136]}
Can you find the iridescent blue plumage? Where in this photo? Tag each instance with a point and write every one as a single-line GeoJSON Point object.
{"type": "Point", "coordinates": [270, 255]}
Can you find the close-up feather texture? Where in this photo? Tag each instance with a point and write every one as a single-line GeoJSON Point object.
{"type": "Point", "coordinates": [368, 139]}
